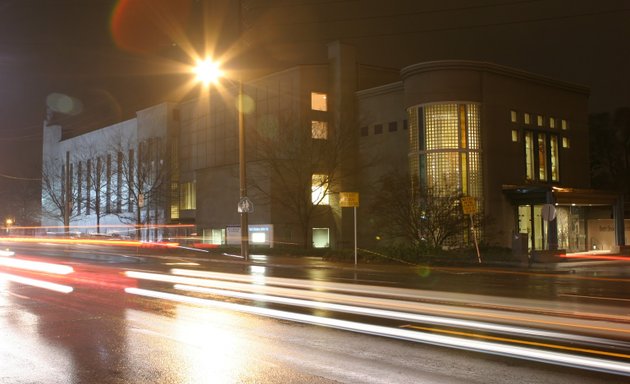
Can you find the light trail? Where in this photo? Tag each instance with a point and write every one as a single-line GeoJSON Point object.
{"type": "Point", "coordinates": [371, 306]}
{"type": "Point", "coordinates": [37, 283]}
{"type": "Point", "coordinates": [319, 287]}
{"type": "Point", "coordinates": [405, 316]}
{"type": "Point", "coordinates": [37, 266]}
{"type": "Point", "coordinates": [526, 342]}
{"type": "Point", "coordinates": [582, 362]}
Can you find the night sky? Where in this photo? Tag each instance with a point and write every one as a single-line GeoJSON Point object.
{"type": "Point", "coordinates": [114, 59]}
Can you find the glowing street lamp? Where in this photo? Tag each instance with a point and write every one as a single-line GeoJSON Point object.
{"type": "Point", "coordinates": [209, 72]}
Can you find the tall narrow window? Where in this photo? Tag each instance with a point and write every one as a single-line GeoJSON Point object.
{"type": "Point", "coordinates": [319, 130]}
{"type": "Point", "coordinates": [529, 155]}
{"type": "Point", "coordinates": [542, 157]}
{"type": "Point", "coordinates": [513, 116]}
{"type": "Point", "coordinates": [526, 118]}
{"type": "Point", "coordinates": [188, 195]}
{"type": "Point", "coordinates": [319, 190]}
{"type": "Point", "coordinates": [318, 101]}
{"type": "Point", "coordinates": [540, 121]}
{"type": "Point", "coordinates": [553, 150]}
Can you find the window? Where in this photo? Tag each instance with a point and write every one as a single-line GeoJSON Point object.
{"type": "Point", "coordinates": [319, 130]}
{"type": "Point", "coordinates": [188, 195]}
{"type": "Point", "coordinates": [552, 122]}
{"type": "Point", "coordinates": [542, 160]}
{"type": "Point", "coordinates": [529, 155]}
{"type": "Point", "coordinates": [378, 129]}
{"type": "Point", "coordinates": [526, 118]}
{"type": "Point", "coordinates": [321, 237]}
{"type": "Point", "coordinates": [514, 135]}
{"type": "Point", "coordinates": [553, 151]}
{"type": "Point", "coordinates": [540, 121]}
{"type": "Point", "coordinates": [513, 116]}
{"type": "Point", "coordinates": [564, 124]}
{"type": "Point", "coordinates": [566, 143]}
{"type": "Point", "coordinates": [405, 124]}
{"type": "Point", "coordinates": [319, 190]}
{"type": "Point", "coordinates": [364, 131]}
{"type": "Point", "coordinates": [318, 101]}
{"type": "Point", "coordinates": [393, 126]}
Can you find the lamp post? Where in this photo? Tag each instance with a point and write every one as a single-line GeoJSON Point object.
{"type": "Point", "coordinates": [209, 72]}
{"type": "Point", "coordinates": [242, 173]}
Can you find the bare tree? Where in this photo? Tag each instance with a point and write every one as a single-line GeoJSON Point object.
{"type": "Point", "coordinates": [426, 216]}
{"type": "Point", "coordinates": [304, 165]}
{"type": "Point", "coordinates": [58, 198]}
{"type": "Point", "coordinates": [143, 182]}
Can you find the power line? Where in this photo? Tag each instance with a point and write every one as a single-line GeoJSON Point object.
{"type": "Point", "coordinates": [475, 26]}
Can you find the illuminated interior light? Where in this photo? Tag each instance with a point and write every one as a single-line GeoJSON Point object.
{"type": "Point", "coordinates": [38, 266]}
{"type": "Point", "coordinates": [37, 283]}
{"type": "Point", "coordinates": [553, 357]}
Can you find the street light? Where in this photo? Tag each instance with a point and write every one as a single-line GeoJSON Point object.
{"type": "Point", "coordinates": [9, 223]}
{"type": "Point", "coordinates": [209, 72]}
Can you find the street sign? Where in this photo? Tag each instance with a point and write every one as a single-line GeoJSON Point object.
{"type": "Point", "coordinates": [468, 205]}
{"type": "Point", "coordinates": [348, 199]}
{"type": "Point", "coordinates": [245, 205]}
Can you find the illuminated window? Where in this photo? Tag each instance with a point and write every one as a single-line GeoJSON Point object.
{"type": "Point", "coordinates": [321, 237]}
{"type": "Point", "coordinates": [542, 160]}
{"type": "Point", "coordinates": [318, 101]}
{"type": "Point", "coordinates": [529, 155]}
{"type": "Point", "coordinates": [526, 118]}
{"type": "Point", "coordinates": [319, 190]}
{"type": "Point", "coordinates": [566, 143]}
{"type": "Point", "coordinates": [188, 196]}
{"type": "Point", "coordinates": [542, 157]}
{"type": "Point", "coordinates": [513, 116]}
{"type": "Point", "coordinates": [450, 149]}
{"type": "Point", "coordinates": [552, 122]}
{"type": "Point", "coordinates": [540, 121]}
{"type": "Point", "coordinates": [514, 135]}
{"type": "Point", "coordinates": [553, 151]}
{"type": "Point", "coordinates": [564, 124]}
{"type": "Point", "coordinates": [319, 130]}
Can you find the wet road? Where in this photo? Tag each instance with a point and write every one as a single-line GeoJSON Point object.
{"type": "Point", "coordinates": [160, 322]}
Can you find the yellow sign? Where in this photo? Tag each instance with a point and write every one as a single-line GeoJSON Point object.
{"type": "Point", "coordinates": [469, 205]}
{"type": "Point", "coordinates": [348, 199]}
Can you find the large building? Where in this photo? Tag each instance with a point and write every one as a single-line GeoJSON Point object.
{"type": "Point", "coordinates": [514, 141]}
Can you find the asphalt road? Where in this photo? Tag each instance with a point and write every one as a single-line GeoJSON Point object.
{"type": "Point", "coordinates": [130, 321]}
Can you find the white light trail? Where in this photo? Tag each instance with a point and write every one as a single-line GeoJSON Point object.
{"type": "Point", "coordinates": [582, 362]}
{"type": "Point", "coordinates": [6, 253]}
{"type": "Point", "coordinates": [37, 266]}
{"type": "Point", "coordinates": [37, 283]}
{"type": "Point", "coordinates": [397, 315]}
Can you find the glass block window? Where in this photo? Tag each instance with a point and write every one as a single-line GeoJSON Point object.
{"type": "Point", "coordinates": [451, 155]}
{"type": "Point", "coordinates": [318, 101]}
{"type": "Point", "coordinates": [319, 130]}
{"type": "Point", "coordinates": [441, 126]}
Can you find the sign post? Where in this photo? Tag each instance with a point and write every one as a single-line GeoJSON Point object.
{"type": "Point", "coordinates": [469, 207]}
{"type": "Point", "coordinates": [346, 200]}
